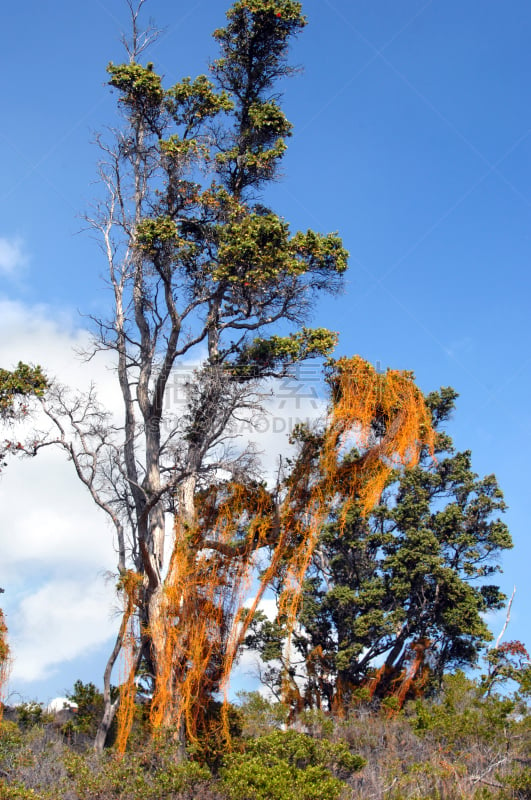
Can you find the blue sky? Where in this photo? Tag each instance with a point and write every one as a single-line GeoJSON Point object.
{"type": "Point", "coordinates": [412, 139]}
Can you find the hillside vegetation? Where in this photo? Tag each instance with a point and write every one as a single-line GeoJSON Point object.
{"type": "Point", "coordinates": [465, 742]}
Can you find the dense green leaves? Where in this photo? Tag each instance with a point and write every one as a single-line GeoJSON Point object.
{"type": "Point", "coordinates": [141, 89]}
{"type": "Point", "coordinates": [275, 353]}
{"type": "Point", "coordinates": [253, 47]}
{"type": "Point", "coordinates": [258, 251]}
{"type": "Point", "coordinates": [191, 101]}
{"type": "Point", "coordinates": [23, 382]}
{"type": "Point", "coordinates": [287, 765]}
{"type": "Point", "coordinates": [253, 44]}
{"type": "Point", "coordinates": [17, 387]}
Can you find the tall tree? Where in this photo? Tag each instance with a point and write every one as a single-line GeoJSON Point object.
{"type": "Point", "coordinates": [199, 267]}
{"type": "Point", "coordinates": [398, 597]}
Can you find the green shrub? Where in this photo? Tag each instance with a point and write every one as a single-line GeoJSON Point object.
{"type": "Point", "coordinates": [260, 716]}
{"type": "Point", "coordinates": [518, 785]}
{"type": "Point", "coordinates": [12, 750]}
{"type": "Point", "coordinates": [146, 774]}
{"type": "Point", "coordinates": [461, 716]}
{"type": "Point", "coordinates": [32, 713]}
{"type": "Point", "coordinates": [287, 765]}
{"type": "Point", "coordinates": [18, 792]}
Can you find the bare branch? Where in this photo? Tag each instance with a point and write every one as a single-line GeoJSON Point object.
{"type": "Point", "coordinates": [507, 620]}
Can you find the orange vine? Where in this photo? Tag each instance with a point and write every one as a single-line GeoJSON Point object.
{"type": "Point", "coordinates": [202, 621]}
{"type": "Point", "coordinates": [4, 660]}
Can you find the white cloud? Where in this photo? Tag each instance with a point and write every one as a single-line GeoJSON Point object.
{"type": "Point", "coordinates": [56, 545]}
{"type": "Point", "coordinates": [57, 623]}
{"type": "Point", "coordinates": [13, 257]}
{"type": "Point", "coordinates": [48, 520]}
{"type": "Point", "coordinates": [41, 335]}
{"type": "Point", "coordinates": [285, 404]}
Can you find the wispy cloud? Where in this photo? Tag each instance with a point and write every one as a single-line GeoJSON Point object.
{"type": "Point", "coordinates": [13, 256]}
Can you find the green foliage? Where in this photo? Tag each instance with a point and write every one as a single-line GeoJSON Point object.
{"type": "Point", "coordinates": [508, 663]}
{"type": "Point", "coordinates": [457, 744]}
{"type": "Point", "coordinates": [268, 116]}
{"type": "Point", "coordinates": [30, 760]}
{"type": "Point", "coordinates": [181, 151]}
{"type": "Point", "coordinates": [518, 785]}
{"type": "Point", "coordinates": [89, 702]}
{"type": "Point", "coordinates": [18, 792]}
{"type": "Point", "coordinates": [259, 715]}
{"type": "Point", "coordinates": [253, 47]}
{"type": "Point", "coordinates": [461, 715]}
{"type": "Point", "coordinates": [31, 713]}
{"type": "Point", "coordinates": [191, 101]}
{"type": "Point", "coordinates": [4, 646]}
{"type": "Point", "coordinates": [148, 774]}
{"type": "Point", "coordinates": [17, 387]}
{"type": "Point", "coordinates": [211, 745]}
{"type": "Point", "coordinates": [286, 765]}
{"type": "Point", "coordinates": [10, 745]}
{"type": "Point", "coordinates": [278, 351]}
{"type": "Point", "coordinates": [257, 249]}
{"type": "Point", "coordinates": [141, 87]}
{"type": "Point", "coordinates": [21, 383]}
{"type": "Point", "coordinates": [215, 246]}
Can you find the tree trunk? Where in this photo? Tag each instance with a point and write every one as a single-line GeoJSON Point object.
{"type": "Point", "coordinates": [105, 726]}
{"type": "Point", "coordinates": [109, 708]}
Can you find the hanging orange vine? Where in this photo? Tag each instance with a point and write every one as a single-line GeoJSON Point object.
{"type": "Point", "coordinates": [203, 621]}
{"type": "Point", "coordinates": [130, 583]}
{"type": "Point", "coordinates": [4, 660]}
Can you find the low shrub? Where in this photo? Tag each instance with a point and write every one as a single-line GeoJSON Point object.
{"type": "Point", "coordinates": [287, 765]}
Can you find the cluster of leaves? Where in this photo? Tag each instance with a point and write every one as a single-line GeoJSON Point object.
{"type": "Point", "coordinates": [22, 382]}
{"type": "Point", "coordinates": [511, 662]}
{"type": "Point", "coordinates": [264, 355]}
{"type": "Point", "coordinates": [148, 774]}
{"type": "Point", "coordinates": [17, 387]}
{"type": "Point", "coordinates": [4, 647]}
{"type": "Point", "coordinates": [259, 250]}
{"type": "Point", "coordinates": [257, 33]}
{"type": "Point", "coordinates": [89, 702]}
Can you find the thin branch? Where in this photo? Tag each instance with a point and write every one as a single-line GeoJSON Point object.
{"type": "Point", "coordinates": [507, 620]}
